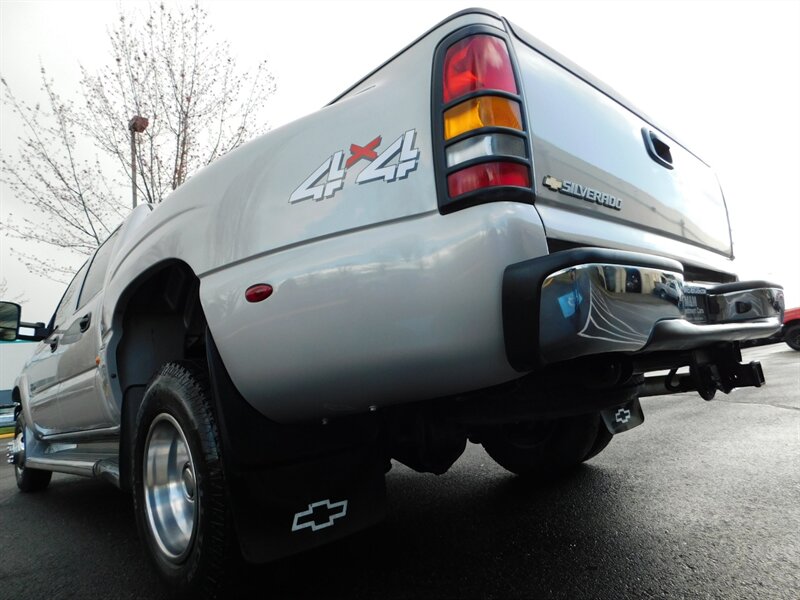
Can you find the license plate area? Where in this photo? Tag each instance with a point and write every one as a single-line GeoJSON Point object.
{"type": "Point", "coordinates": [695, 304]}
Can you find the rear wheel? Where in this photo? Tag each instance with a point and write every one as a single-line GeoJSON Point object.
{"type": "Point", "coordinates": [179, 484]}
{"type": "Point", "coordinates": [547, 447]}
{"type": "Point", "coordinates": [792, 336]}
{"type": "Point", "coordinates": [28, 480]}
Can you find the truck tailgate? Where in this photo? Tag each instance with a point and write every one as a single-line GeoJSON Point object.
{"type": "Point", "coordinates": [597, 158]}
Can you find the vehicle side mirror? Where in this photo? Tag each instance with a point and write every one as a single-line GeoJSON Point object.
{"type": "Point", "coordinates": [40, 331]}
{"type": "Point", "coordinates": [9, 321]}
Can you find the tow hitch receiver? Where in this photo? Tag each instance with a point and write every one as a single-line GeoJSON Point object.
{"type": "Point", "coordinates": [710, 369]}
{"type": "Point", "coordinates": [721, 369]}
{"type": "Point", "coordinates": [624, 417]}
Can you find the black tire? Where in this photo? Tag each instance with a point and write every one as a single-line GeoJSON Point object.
{"type": "Point", "coordinates": [792, 336]}
{"type": "Point", "coordinates": [548, 447]}
{"type": "Point", "coordinates": [195, 561]}
{"type": "Point", "coordinates": [28, 480]}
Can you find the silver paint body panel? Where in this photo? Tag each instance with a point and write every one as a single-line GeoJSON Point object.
{"type": "Point", "coordinates": [407, 310]}
{"type": "Point", "coordinates": [581, 134]}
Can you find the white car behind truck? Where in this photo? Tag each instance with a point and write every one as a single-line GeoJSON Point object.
{"type": "Point", "coordinates": [471, 243]}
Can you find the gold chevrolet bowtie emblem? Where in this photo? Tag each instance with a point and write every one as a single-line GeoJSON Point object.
{"type": "Point", "coordinates": [552, 183]}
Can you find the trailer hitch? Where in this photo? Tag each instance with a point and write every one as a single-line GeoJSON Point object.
{"type": "Point", "coordinates": [710, 369]}
{"type": "Point", "coordinates": [720, 368]}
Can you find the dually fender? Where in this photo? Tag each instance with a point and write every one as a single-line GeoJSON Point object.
{"type": "Point", "coordinates": [400, 312]}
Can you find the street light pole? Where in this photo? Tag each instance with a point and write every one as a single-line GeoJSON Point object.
{"type": "Point", "coordinates": [136, 125]}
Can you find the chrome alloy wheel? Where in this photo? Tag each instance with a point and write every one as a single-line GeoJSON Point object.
{"type": "Point", "coordinates": [170, 488]}
{"type": "Point", "coordinates": [15, 452]}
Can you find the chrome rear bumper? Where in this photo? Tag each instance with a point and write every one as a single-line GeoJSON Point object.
{"type": "Point", "coordinates": [598, 301]}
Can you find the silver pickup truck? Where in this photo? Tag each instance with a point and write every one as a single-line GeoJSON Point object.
{"type": "Point", "coordinates": [477, 242]}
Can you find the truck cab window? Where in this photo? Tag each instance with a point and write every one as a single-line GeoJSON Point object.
{"type": "Point", "coordinates": [97, 270]}
{"type": "Point", "coordinates": [69, 300]}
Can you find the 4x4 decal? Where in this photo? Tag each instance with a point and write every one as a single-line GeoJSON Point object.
{"type": "Point", "coordinates": [397, 161]}
{"type": "Point", "coordinates": [358, 152]}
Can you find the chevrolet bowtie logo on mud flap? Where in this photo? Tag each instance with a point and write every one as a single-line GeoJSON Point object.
{"type": "Point", "coordinates": [319, 515]}
{"type": "Point", "coordinates": [623, 416]}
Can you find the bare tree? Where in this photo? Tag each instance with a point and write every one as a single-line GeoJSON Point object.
{"type": "Point", "coordinates": [198, 106]}
{"type": "Point", "coordinates": [74, 207]}
{"type": "Point", "coordinates": [19, 298]}
{"type": "Point", "coordinates": [163, 66]}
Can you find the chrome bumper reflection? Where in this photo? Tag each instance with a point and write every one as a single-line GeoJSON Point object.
{"type": "Point", "coordinates": [596, 308]}
{"type": "Point", "coordinates": [744, 305]}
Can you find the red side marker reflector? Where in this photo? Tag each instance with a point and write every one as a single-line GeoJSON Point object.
{"type": "Point", "coordinates": [485, 175]}
{"type": "Point", "coordinates": [258, 292]}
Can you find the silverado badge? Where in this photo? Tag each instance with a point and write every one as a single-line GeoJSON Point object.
{"type": "Point", "coordinates": [576, 190]}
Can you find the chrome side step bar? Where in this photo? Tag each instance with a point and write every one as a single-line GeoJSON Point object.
{"type": "Point", "coordinates": [76, 465]}
{"type": "Point", "coordinates": [106, 469]}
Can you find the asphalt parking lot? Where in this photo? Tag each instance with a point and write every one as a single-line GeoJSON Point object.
{"type": "Point", "coordinates": [702, 501]}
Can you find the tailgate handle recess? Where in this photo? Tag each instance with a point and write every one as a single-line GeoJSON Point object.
{"type": "Point", "coordinates": [657, 148]}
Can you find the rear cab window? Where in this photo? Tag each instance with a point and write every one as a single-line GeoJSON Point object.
{"type": "Point", "coordinates": [69, 300]}
{"type": "Point", "coordinates": [97, 270]}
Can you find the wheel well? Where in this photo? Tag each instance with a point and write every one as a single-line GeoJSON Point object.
{"type": "Point", "coordinates": [161, 320]}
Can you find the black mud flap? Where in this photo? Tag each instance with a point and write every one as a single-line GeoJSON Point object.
{"type": "Point", "coordinates": [624, 417]}
{"type": "Point", "coordinates": [285, 510]}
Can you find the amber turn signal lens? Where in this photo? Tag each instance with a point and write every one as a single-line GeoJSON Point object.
{"type": "Point", "coordinates": [483, 111]}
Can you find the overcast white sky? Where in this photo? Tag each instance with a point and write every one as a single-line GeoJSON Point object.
{"type": "Point", "coordinates": [724, 77]}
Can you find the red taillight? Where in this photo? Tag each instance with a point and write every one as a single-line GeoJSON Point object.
{"type": "Point", "coordinates": [479, 122]}
{"type": "Point", "coordinates": [479, 62]}
{"type": "Point", "coordinates": [258, 292]}
{"type": "Point", "coordinates": [485, 175]}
